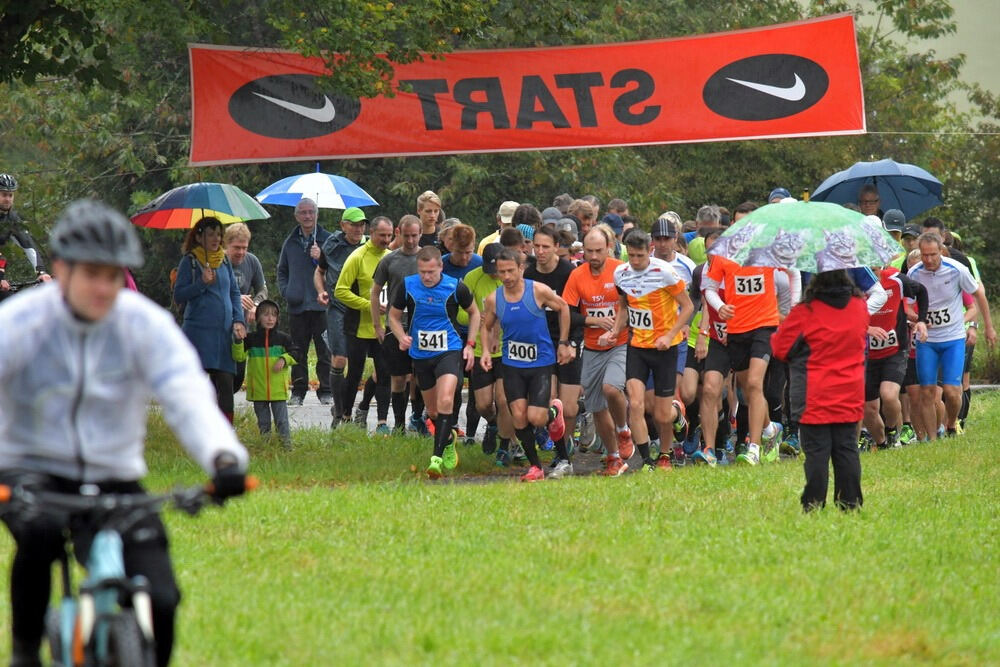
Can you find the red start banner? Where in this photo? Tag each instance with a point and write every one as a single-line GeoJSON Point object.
{"type": "Point", "coordinates": [790, 80]}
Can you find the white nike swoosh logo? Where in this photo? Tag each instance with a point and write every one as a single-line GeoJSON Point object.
{"type": "Point", "coordinates": [794, 93]}
{"type": "Point", "coordinates": [323, 114]}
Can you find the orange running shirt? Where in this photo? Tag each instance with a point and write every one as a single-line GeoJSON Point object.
{"type": "Point", "coordinates": [652, 309]}
{"type": "Point", "coordinates": [596, 296]}
{"type": "Point", "coordinates": [750, 290]}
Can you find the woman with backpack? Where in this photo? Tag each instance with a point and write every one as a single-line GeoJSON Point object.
{"type": "Point", "coordinates": [213, 312]}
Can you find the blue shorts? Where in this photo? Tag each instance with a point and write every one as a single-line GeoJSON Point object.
{"type": "Point", "coordinates": [336, 340]}
{"type": "Point", "coordinates": [948, 356]}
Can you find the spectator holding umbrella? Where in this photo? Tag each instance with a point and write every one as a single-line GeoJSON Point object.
{"type": "Point", "coordinates": [213, 310]}
{"type": "Point", "coordinates": [823, 340]}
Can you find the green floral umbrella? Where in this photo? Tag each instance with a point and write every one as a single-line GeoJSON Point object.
{"type": "Point", "coordinates": [808, 236]}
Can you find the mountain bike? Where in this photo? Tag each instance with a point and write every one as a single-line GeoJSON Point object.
{"type": "Point", "coordinates": [109, 622]}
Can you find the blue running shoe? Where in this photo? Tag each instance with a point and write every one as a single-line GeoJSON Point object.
{"type": "Point", "coordinates": [790, 445]}
{"type": "Point", "coordinates": [705, 456]}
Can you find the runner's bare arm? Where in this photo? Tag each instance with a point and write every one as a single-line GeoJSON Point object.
{"type": "Point", "coordinates": [469, 351]}
{"type": "Point", "coordinates": [549, 299]}
{"type": "Point", "coordinates": [621, 321]}
{"type": "Point", "coordinates": [489, 318]}
{"type": "Point", "coordinates": [683, 318]}
{"type": "Point", "coordinates": [396, 325]}
{"type": "Point", "coordinates": [984, 308]}
{"type": "Point", "coordinates": [375, 309]}
{"type": "Point", "coordinates": [319, 282]}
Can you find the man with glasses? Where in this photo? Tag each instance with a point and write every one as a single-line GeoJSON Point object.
{"type": "Point", "coordinates": [869, 201]}
{"type": "Point", "coordinates": [297, 262]}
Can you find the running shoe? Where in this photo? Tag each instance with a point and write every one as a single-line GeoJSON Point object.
{"type": "Point", "coordinates": [503, 458]}
{"type": "Point", "coordinates": [678, 455]}
{"type": "Point", "coordinates": [534, 474]}
{"type": "Point", "coordinates": [959, 428]}
{"type": "Point", "coordinates": [562, 468]}
{"type": "Point", "coordinates": [663, 462]}
{"type": "Point", "coordinates": [517, 454]}
{"type": "Point", "coordinates": [450, 455]}
{"type": "Point", "coordinates": [434, 469]}
{"type": "Point", "coordinates": [429, 425]}
{"type": "Point", "coordinates": [542, 439]}
{"type": "Point", "coordinates": [625, 445]}
{"type": "Point", "coordinates": [680, 422]}
{"type": "Point", "coordinates": [790, 445]}
{"type": "Point", "coordinates": [865, 441]}
{"type": "Point", "coordinates": [557, 427]}
{"type": "Point", "coordinates": [750, 457]}
{"type": "Point", "coordinates": [891, 438]}
{"type": "Point", "coordinates": [294, 400]}
{"type": "Point", "coordinates": [416, 424]}
{"type": "Point", "coordinates": [907, 436]}
{"type": "Point", "coordinates": [614, 466]}
{"type": "Point", "coordinates": [705, 456]}
{"type": "Point", "coordinates": [360, 417]}
{"type": "Point", "coordinates": [490, 439]}
{"type": "Point", "coordinates": [648, 467]}
{"type": "Point", "coordinates": [771, 437]}
{"type": "Point", "coordinates": [460, 431]}
{"type": "Point", "coordinates": [383, 430]}
{"type": "Point", "coordinates": [469, 442]}
{"type": "Point", "coordinates": [692, 443]}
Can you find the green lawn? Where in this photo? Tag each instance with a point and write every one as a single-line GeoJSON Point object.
{"type": "Point", "coordinates": [345, 557]}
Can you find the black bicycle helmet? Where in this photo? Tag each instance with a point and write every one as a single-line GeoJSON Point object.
{"type": "Point", "coordinates": [91, 231]}
{"type": "Point", "coordinates": [8, 183]}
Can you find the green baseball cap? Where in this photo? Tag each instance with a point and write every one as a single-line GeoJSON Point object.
{"type": "Point", "coordinates": [354, 214]}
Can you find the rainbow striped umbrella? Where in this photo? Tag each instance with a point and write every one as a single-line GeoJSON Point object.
{"type": "Point", "coordinates": [183, 207]}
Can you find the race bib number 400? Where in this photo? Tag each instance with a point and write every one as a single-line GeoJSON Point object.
{"type": "Point", "coordinates": [640, 319]}
{"type": "Point", "coordinates": [517, 351]}
{"type": "Point", "coordinates": [938, 318]}
{"type": "Point", "coordinates": [749, 285]}
{"type": "Point", "coordinates": [891, 341]}
{"type": "Point", "coordinates": [432, 341]}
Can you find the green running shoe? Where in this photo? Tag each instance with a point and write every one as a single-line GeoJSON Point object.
{"type": "Point", "coordinates": [434, 469]}
{"type": "Point", "coordinates": [749, 457]}
{"type": "Point", "coordinates": [450, 455]}
{"type": "Point", "coordinates": [906, 435]}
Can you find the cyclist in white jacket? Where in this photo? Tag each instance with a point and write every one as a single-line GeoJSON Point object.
{"type": "Point", "coordinates": [81, 361]}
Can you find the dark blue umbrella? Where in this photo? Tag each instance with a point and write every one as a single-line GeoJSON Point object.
{"type": "Point", "coordinates": [904, 186]}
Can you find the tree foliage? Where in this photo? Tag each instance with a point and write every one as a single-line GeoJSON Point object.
{"type": "Point", "coordinates": [67, 140]}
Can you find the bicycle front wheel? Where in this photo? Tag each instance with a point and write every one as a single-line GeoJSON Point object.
{"type": "Point", "coordinates": [126, 645]}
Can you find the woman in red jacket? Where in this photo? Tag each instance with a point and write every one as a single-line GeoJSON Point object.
{"type": "Point", "coordinates": [823, 341]}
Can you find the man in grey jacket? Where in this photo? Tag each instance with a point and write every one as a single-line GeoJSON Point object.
{"type": "Point", "coordinates": [76, 381]}
{"type": "Point", "coordinates": [306, 316]}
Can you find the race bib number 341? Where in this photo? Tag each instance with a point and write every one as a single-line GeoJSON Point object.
{"type": "Point", "coordinates": [432, 341]}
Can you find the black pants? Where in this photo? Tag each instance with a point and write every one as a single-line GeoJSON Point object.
{"type": "Point", "coordinates": [40, 543]}
{"type": "Point", "coordinates": [223, 383]}
{"type": "Point", "coordinates": [821, 443]}
{"type": "Point", "coordinates": [359, 349]}
{"type": "Point", "coordinates": [308, 326]}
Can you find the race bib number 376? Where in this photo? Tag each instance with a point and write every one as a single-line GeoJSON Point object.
{"type": "Point", "coordinates": [640, 319]}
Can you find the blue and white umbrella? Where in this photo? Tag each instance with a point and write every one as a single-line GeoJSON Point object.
{"type": "Point", "coordinates": [904, 186]}
{"type": "Point", "coordinates": [327, 190]}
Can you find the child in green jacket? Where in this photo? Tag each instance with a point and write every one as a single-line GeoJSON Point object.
{"type": "Point", "coordinates": [269, 355]}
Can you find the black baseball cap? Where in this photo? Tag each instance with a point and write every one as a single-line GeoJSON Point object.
{"type": "Point", "coordinates": [490, 254]}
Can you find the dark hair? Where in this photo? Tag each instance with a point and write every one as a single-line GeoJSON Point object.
{"type": "Point", "coordinates": [745, 207]}
{"type": "Point", "coordinates": [617, 205]}
{"type": "Point", "coordinates": [936, 223]}
{"type": "Point", "coordinates": [638, 239]}
{"type": "Point", "coordinates": [268, 305]}
{"type": "Point", "coordinates": [511, 255]}
{"type": "Point", "coordinates": [826, 281]}
{"type": "Point", "coordinates": [526, 214]}
{"type": "Point", "coordinates": [868, 189]}
{"type": "Point", "coordinates": [550, 231]}
{"type": "Point", "coordinates": [566, 238]}
{"type": "Point", "coordinates": [562, 202]}
{"type": "Point", "coordinates": [428, 253]}
{"type": "Point", "coordinates": [190, 242]}
{"type": "Point", "coordinates": [511, 238]}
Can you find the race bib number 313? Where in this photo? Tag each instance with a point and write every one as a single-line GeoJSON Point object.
{"type": "Point", "coordinates": [749, 285]}
{"type": "Point", "coordinates": [432, 341]}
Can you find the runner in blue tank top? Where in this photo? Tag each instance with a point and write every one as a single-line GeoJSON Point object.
{"type": "Point", "coordinates": [518, 307]}
{"type": "Point", "coordinates": [434, 344]}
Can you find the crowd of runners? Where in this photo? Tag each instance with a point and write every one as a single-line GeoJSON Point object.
{"type": "Point", "coordinates": [579, 321]}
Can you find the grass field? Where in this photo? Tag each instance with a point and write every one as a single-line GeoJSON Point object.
{"type": "Point", "coordinates": [345, 556]}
